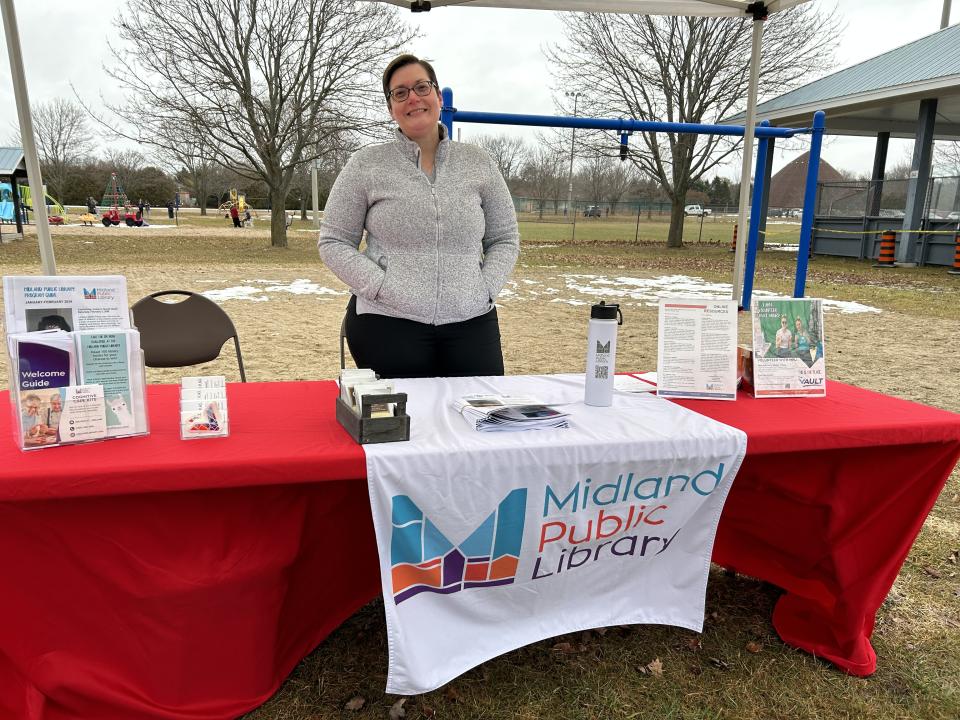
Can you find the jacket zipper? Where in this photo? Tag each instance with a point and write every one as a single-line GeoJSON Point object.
{"type": "Point", "coordinates": [436, 205]}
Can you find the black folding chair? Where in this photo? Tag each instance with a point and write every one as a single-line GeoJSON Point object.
{"type": "Point", "coordinates": [188, 332]}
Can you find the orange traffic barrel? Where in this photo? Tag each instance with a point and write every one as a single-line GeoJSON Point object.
{"type": "Point", "coordinates": [888, 247]}
{"type": "Point", "coordinates": [733, 243]}
{"type": "Point", "coordinates": [955, 270]}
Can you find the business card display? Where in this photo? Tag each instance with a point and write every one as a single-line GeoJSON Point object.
{"type": "Point", "coordinates": [203, 407]}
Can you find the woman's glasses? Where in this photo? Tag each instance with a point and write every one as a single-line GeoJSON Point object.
{"type": "Point", "coordinates": [422, 88]}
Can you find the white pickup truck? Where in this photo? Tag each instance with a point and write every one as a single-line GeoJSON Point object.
{"type": "Point", "coordinates": [696, 210]}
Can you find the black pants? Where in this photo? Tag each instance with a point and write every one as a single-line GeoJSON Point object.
{"type": "Point", "coordinates": [394, 347]}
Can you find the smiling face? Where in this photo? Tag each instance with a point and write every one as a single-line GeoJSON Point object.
{"type": "Point", "coordinates": [417, 116]}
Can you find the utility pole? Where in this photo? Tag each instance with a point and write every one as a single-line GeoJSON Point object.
{"type": "Point", "coordinates": [945, 17]}
{"type": "Point", "coordinates": [573, 144]}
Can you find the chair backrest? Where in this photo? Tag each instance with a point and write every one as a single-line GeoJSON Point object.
{"type": "Point", "coordinates": [188, 332]}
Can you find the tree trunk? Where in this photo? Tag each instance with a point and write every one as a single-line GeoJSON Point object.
{"type": "Point", "coordinates": [202, 196]}
{"type": "Point", "coordinates": [278, 219]}
{"type": "Point", "coordinates": [303, 207]}
{"type": "Point", "coordinates": [675, 235]}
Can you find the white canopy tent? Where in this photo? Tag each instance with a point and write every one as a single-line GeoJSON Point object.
{"type": "Point", "coordinates": [758, 11]}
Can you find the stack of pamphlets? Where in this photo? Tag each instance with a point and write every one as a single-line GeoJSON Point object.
{"type": "Point", "coordinates": [508, 413]}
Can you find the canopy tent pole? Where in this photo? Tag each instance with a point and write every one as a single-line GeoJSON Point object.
{"type": "Point", "coordinates": [47, 261]}
{"type": "Point", "coordinates": [748, 135]}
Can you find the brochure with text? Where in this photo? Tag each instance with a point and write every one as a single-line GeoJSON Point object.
{"type": "Point", "coordinates": [112, 359]}
{"type": "Point", "coordinates": [65, 302]}
{"type": "Point", "coordinates": [43, 365]}
{"type": "Point", "coordinates": [490, 413]}
{"type": "Point", "coordinates": [697, 349]}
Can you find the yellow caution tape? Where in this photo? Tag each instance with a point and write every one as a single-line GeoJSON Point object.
{"type": "Point", "coordinates": [880, 232]}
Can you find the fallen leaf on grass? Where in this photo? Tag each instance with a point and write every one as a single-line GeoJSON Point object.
{"type": "Point", "coordinates": [451, 694]}
{"type": "Point", "coordinates": [655, 667]}
{"type": "Point", "coordinates": [717, 662]}
{"type": "Point", "coordinates": [953, 557]}
{"type": "Point", "coordinates": [754, 647]}
{"type": "Point", "coordinates": [427, 711]}
{"type": "Point", "coordinates": [355, 703]}
{"type": "Point", "coordinates": [932, 572]}
{"type": "Point", "coordinates": [694, 644]}
{"type": "Point", "coordinates": [397, 711]}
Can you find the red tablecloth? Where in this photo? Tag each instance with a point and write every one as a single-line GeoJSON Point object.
{"type": "Point", "coordinates": [159, 578]}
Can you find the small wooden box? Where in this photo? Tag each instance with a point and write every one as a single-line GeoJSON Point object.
{"type": "Point", "coordinates": [365, 429]}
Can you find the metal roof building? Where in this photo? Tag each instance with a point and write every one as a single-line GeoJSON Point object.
{"type": "Point", "coordinates": [912, 91]}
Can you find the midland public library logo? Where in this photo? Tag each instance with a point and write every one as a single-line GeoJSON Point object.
{"type": "Point", "coordinates": [101, 293]}
{"type": "Point", "coordinates": [424, 560]}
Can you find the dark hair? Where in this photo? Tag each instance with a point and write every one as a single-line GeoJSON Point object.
{"type": "Point", "coordinates": [402, 61]}
{"type": "Point", "coordinates": [53, 322]}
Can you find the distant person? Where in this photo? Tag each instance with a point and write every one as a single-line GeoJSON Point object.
{"type": "Point", "coordinates": [170, 209]}
{"type": "Point", "coordinates": [91, 206]}
{"type": "Point", "coordinates": [784, 339]}
{"type": "Point", "coordinates": [53, 322]}
{"type": "Point", "coordinates": [235, 215]}
{"type": "Point", "coordinates": [247, 218]}
{"type": "Point", "coordinates": [140, 208]}
{"type": "Point", "coordinates": [146, 210]}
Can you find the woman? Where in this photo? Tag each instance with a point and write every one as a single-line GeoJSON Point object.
{"type": "Point", "coordinates": [801, 342]}
{"type": "Point", "coordinates": [441, 241]}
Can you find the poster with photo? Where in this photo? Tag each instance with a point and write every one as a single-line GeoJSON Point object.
{"type": "Point", "coordinates": [788, 348]}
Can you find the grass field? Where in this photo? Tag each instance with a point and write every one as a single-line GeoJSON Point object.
{"type": "Point", "coordinates": [738, 667]}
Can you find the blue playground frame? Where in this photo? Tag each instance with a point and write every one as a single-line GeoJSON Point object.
{"type": "Point", "coordinates": [764, 133]}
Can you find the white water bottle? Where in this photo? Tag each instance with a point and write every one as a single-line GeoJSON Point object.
{"type": "Point", "coordinates": [601, 353]}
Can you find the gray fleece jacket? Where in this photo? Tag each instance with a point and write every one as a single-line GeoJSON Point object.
{"type": "Point", "coordinates": [435, 252]}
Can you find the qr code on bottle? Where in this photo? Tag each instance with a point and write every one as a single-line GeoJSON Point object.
{"type": "Point", "coordinates": [601, 372]}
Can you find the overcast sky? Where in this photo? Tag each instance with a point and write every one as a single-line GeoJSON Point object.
{"type": "Point", "coordinates": [493, 59]}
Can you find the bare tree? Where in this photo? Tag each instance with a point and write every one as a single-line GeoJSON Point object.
{"type": "Point", "coordinates": [681, 69]}
{"type": "Point", "coordinates": [262, 82]}
{"type": "Point", "coordinates": [63, 140]}
{"type": "Point", "coordinates": [946, 157]}
{"type": "Point", "coordinates": [543, 173]}
{"type": "Point", "coordinates": [508, 152]}
{"type": "Point", "coordinates": [619, 178]}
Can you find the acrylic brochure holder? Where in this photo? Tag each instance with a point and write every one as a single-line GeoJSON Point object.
{"type": "Point", "coordinates": [76, 366]}
{"type": "Point", "coordinates": [75, 387]}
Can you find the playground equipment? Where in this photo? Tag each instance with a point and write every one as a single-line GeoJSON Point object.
{"type": "Point", "coordinates": [765, 134]}
{"type": "Point", "coordinates": [237, 199]}
{"type": "Point", "coordinates": [58, 214]}
{"type": "Point", "coordinates": [115, 198]}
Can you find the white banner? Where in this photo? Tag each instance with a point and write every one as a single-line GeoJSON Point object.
{"type": "Point", "coordinates": [491, 541]}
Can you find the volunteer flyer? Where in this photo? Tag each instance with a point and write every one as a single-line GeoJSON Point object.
{"type": "Point", "coordinates": [65, 302]}
{"type": "Point", "coordinates": [788, 348]}
{"type": "Point", "coordinates": [697, 349]}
